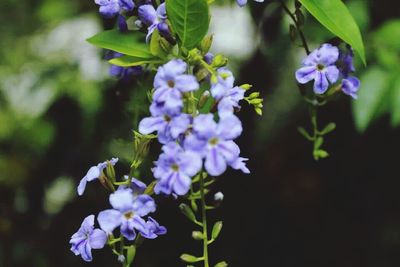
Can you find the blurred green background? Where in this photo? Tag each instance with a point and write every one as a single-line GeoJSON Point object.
{"type": "Point", "coordinates": [61, 113]}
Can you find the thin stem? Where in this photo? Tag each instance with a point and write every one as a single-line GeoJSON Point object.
{"type": "Point", "coordinates": [204, 222]}
{"type": "Point", "coordinates": [298, 27]}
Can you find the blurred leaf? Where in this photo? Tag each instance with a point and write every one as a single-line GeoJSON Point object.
{"type": "Point", "coordinates": [395, 105]}
{"type": "Point", "coordinates": [335, 16]}
{"type": "Point", "coordinates": [374, 87]}
{"type": "Point", "coordinates": [221, 264]}
{"type": "Point", "coordinates": [190, 20]}
{"type": "Point", "coordinates": [387, 44]}
{"type": "Point", "coordinates": [130, 61]}
{"type": "Point", "coordinates": [130, 43]}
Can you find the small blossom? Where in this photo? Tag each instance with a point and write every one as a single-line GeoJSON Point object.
{"type": "Point", "coordinates": [127, 213]}
{"type": "Point", "coordinates": [171, 82]}
{"type": "Point", "coordinates": [174, 169]}
{"type": "Point", "coordinates": [93, 174]}
{"type": "Point", "coordinates": [214, 141]}
{"type": "Point", "coordinates": [168, 126]}
{"type": "Point", "coordinates": [225, 93]}
{"type": "Point", "coordinates": [320, 66]}
{"type": "Point", "coordinates": [350, 86]}
{"type": "Point", "coordinates": [154, 19]}
{"type": "Point", "coordinates": [111, 8]}
{"type": "Point", "coordinates": [87, 238]}
{"type": "Point", "coordinates": [154, 229]}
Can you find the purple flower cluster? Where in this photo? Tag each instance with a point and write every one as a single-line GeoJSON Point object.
{"type": "Point", "coordinates": [190, 139]}
{"type": "Point", "coordinates": [326, 66]}
{"type": "Point", "coordinates": [130, 207]}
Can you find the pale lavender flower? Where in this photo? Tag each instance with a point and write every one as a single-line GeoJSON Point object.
{"type": "Point", "coordinates": [154, 19]}
{"type": "Point", "coordinates": [320, 66]}
{"type": "Point", "coordinates": [87, 238]}
{"type": "Point", "coordinates": [350, 86]}
{"type": "Point", "coordinates": [214, 141]}
{"type": "Point", "coordinates": [127, 213]}
{"type": "Point", "coordinates": [111, 8]}
{"type": "Point", "coordinates": [154, 229]}
{"type": "Point", "coordinates": [93, 174]}
{"type": "Point", "coordinates": [167, 126]}
{"type": "Point", "coordinates": [174, 169]}
{"type": "Point", "coordinates": [171, 82]}
{"type": "Point", "coordinates": [225, 93]}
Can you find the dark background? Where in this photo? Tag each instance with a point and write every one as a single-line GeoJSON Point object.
{"type": "Point", "coordinates": [290, 212]}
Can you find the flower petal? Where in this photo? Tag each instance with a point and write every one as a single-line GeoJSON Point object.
{"type": "Point", "coordinates": [306, 74]}
{"type": "Point", "coordinates": [229, 127]}
{"type": "Point", "coordinates": [151, 124]}
{"type": "Point", "coordinates": [332, 73]}
{"type": "Point", "coordinates": [109, 220]}
{"type": "Point", "coordinates": [122, 199]}
{"type": "Point", "coordinates": [82, 186]}
{"type": "Point", "coordinates": [321, 83]}
{"type": "Point", "coordinates": [215, 164]}
{"type": "Point", "coordinates": [205, 126]}
{"type": "Point", "coordinates": [143, 205]}
{"type": "Point", "coordinates": [182, 184]}
{"type": "Point", "coordinates": [186, 83]}
{"type": "Point", "coordinates": [97, 239]}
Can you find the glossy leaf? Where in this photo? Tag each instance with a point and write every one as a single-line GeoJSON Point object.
{"type": "Point", "coordinates": [190, 20]}
{"type": "Point", "coordinates": [129, 61]}
{"type": "Point", "coordinates": [335, 16]}
{"type": "Point", "coordinates": [129, 43]}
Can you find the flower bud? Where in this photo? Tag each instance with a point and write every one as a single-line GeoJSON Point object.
{"type": "Point", "coordinates": [246, 86]}
{"type": "Point", "coordinates": [206, 43]}
{"type": "Point", "coordinates": [196, 235]}
{"type": "Point", "coordinates": [219, 61]}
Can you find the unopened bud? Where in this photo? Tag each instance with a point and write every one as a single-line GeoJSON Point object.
{"type": "Point", "coordinates": [203, 99]}
{"type": "Point", "coordinates": [206, 43]}
{"type": "Point", "coordinates": [219, 61]}
{"type": "Point", "coordinates": [246, 86]}
{"type": "Point", "coordinates": [219, 196]}
{"type": "Point", "coordinates": [196, 235]}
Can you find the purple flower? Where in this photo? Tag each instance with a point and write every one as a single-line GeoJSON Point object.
{"type": "Point", "coordinates": [350, 86]}
{"type": "Point", "coordinates": [154, 229]}
{"type": "Point", "coordinates": [168, 126]}
{"type": "Point", "coordinates": [320, 66]}
{"type": "Point", "coordinates": [87, 238]}
{"type": "Point", "coordinates": [93, 174]}
{"type": "Point", "coordinates": [170, 83]}
{"type": "Point", "coordinates": [154, 19]}
{"type": "Point", "coordinates": [110, 8]}
{"type": "Point", "coordinates": [225, 93]}
{"type": "Point", "coordinates": [174, 169]}
{"type": "Point", "coordinates": [214, 142]}
{"type": "Point", "coordinates": [242, 3]}
{"type": "Point", "coordinates": [128, 210]}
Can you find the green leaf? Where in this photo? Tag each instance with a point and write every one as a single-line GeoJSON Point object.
{"type": "Point", "coordinates": [130, 61]}
{"type": "Point", "coordinates": [334, 15]}
{"type": "Point", "coordinates": [190, 258]}
{"type": "Point", "coordinates": [190, 20]}
{"type": "Point", "coordinates": [130, 254]}
{"type": "Point", "coordinates": [374, 87]}
{"type": "Point", "coordinates": [129, 43]}
{"type": "Point", "coordinates": [216, 230]}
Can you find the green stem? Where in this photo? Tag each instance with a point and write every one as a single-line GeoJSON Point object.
{"type": "Point", "coordinates": [298, 27]}
{"type": "Point", "coordinates": [204, 222]}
